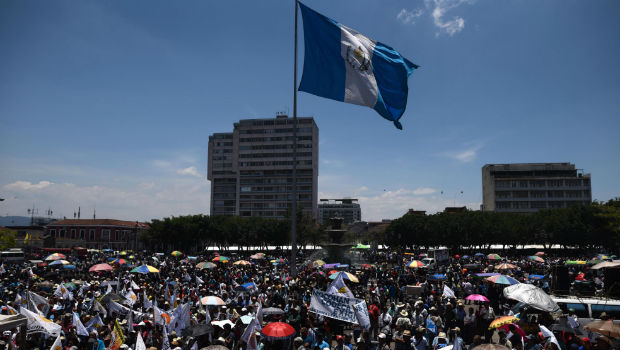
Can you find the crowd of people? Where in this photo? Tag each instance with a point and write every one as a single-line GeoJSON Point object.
{"type": "Point", "coordinates": [173, 304]}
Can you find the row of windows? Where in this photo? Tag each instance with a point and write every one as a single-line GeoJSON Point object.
{"type": "Point", "coordinates": [222, 165]}
{"type": "Point", "coordinates": [273, 131]}
{"type": "Point", "coordinates": [275, 155]}
{"type": "Point", "coordinates": [278, 197]}
{"type": "Point", "coordinates": [542, 194]}
{"type": "Point", "coordinates": [538, 204]}
{"type": "Point", "coordinates": [282, 121]}
{"type": "Point", "coordinates": [279, 146]}
{"type": "Point", "coordinates": [278, 172]}
{"type": "Point", "coordinates": [275, 181]}
{"type": "Point", "coordinates": [541, 183]}
{"type": "Point", "coordinates": [223, 136]}
{"type": "Point", "coordinates": [274, 139]}
{"type": "Point", "coordinates": [222, 172]}
{"type": "Point", "coordinates": [223, 144]}
{"type": "Point", "coordinates": [222, 157]}
{"type": "Point", "coordinates": [105, 234]}
{"type": "Point", "coordinates": [222, 151]}
{"type": "Point", "coordinates": [275, 163]}
{"type": "Point", "coordinates": [274, 189]}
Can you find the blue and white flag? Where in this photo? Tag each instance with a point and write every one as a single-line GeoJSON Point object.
{"type": "Point", "coordinates": [344, 65]}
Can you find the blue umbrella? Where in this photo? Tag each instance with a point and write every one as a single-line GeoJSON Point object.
{"type": "Point", "coordinates": [536, 277]}
{"type": "Point", "coordinates": [68, 267]}
{"type": "Point", "coordinates": [487, 274]}
{"type": "Point", "coordinates": [465, 257]}
{"type": "Point", "coordinates": [245, 286]}
{"type": "Point", "coordinates": [437, 276]}
{"type": "Point", "coordinates": [479, 254]}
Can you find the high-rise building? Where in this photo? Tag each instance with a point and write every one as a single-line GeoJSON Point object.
{"type": "Point", "coordinates": [529, 187]}
{"type": "Point", "coordinates": [347, 208]}
{"type": "Point", "coordinates": [250, 169]}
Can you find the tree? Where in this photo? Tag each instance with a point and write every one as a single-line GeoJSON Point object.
{"type": "Point", "coordinates": [7, 238]}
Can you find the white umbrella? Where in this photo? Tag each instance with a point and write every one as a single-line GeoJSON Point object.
{"type": "Point", "coordinates": [605, 264]}
{"type": "Point", "coordinates": [531, 295]}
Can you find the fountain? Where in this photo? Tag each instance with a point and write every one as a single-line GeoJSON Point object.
{"type": "Point", "coordinates": [335, 249]}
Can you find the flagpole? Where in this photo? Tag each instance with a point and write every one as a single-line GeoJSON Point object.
{"type": "Point", "coordinates": [294, 189]}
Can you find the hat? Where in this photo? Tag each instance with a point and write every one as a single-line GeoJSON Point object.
{"type": "Point", "coordinates": [404, 313]}
{"type": "Point", "coordinates": [339, 337]}
{"type": "Point", "coordinates": [400, 305]}
{"type": "Point", "coordinates": [457, 329]}
{"type": "Point", "coordinates": [382, 336]}
{"type": "Point", "coordinates": [406, 333]}
{"type": "Point", "coordinates": [585, 339]}
{"type": "Point", "coordinates": [442, 335]}
{"type": "Point", "coordinates": [298, 340]}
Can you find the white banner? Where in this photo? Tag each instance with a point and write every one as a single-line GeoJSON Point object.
{"type": "Point", "coordinates": [339, 307]}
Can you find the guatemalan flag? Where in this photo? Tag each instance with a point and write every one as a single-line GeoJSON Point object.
{"type": "Point", "coordinates": [344, 65]}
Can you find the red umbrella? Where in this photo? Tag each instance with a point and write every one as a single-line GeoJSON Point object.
{"type": "Point", "coordinates": [477, 297]}
{"type": "Point", "coordinates": [100, 267]}
{"type": "Point", "coordinates": [332, 272]}
{"type": "Point", "coordinates": [580, 277]}
{"type": "Point", "coordinates": [278, 330]}
{"type": "Point", "coordinates": [457, 256]}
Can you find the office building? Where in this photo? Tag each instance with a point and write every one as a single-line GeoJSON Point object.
{"type": "Point", "coordinates": [529, 187]}
{"type": "Point", "coordinates": [347, 208]}
{"type": "Point", "coordinates": [250, 169]}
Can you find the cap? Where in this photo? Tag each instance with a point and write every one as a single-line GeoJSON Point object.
{"type": "Point", "coordinates": [339, 337]}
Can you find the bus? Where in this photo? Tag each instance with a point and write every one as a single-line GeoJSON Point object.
{"type": "Point", "coordinates": [12, 256]}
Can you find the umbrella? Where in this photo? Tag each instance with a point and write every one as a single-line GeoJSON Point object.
{"type": "Point", "coordinates": [602, 256]}
{"type": "Point", "coordinates": [123, 253]}
{"type": "Point", "coordinates": [362, 246]}
{"type": "Point", "coordinates": [212, 300]}
{"type": "Point", "coordinates": [477, 297]}
{"type": "Point", "coordinates": [490, 346]}
{"type": "Point", "coordinates": [245, 286]}
{"type": "Point", "coordinates": [119, 261]}
{"type": "Point", "coordinates": [536, 277]}
{"type": "Point", "coordinates": [105, 300]}
{"type": "Point", "coordinates": [205, 265]}
{"type": "Point", "coordinates": [479, 254]}
{"type": "Point", "coordinates": [494, 257]}
{"type": "Point", "coordinates": [107, 250]}
{"type": "Point", "coordinates": [536, 259]}
{"type": "Point", "coordinates": [221, 258]}
{"type": "Point", "coordinates": [605, 264]}
{"type": "Point", "coordinates": [575, 262]}
{"type": "Point", "coordinates": [498, 322]}
{"type": "Point", "coordinates": [502, 279]}
{"type": "Point", "coordinates": [100, 267]}
{"type": "Point", "coordinates": [278, 330]}
{"type": "Point", "coordinates": [487, 274]}
{"type": "Point", "coordinates": [242, 262]}
{"type": "Point", "coordinates": [317, 263]}
{"type": "Point", "coordinates": [272, 311]}
{"type": "Point", "coordinates": [144, 269]}
{"type": "Point", "coordinates": [347, 276]}
{"type": "Point", "coordinates": [258, 256]}
{"type": "Point", "coordinates": [531, 295]}
{"type": "Point", "coordinates": [422, 255]}
{"type": "Point", "coordinates": [278, 261]}
{"type": "Point", "coordinates": [55, 256]}
{"type": "Point", "coordinates": [465, 257]}
{"type": "Point", "coordinates": [604, 327]}
{"type": "Point", "coordinates": [437, 276]}
{"type": "Point", "coordinates": [580, 277]}
{"type": "Point", "coordinates": [192, 258]}
{"type": "Point", "coordinates": [68, 267]}
{"type": "Point", "coordinates": [59, 262]}
{"type": "Point", "coordinates": [366, 266]}
{"type": "Point", "coordinates": [506, 266]}
{"type": "Point", "coordinates": [331, 266]}
{"type": "Point", "coordinates": [540, 254]}
{"type": "Point", "coordinates": [176, 253]}
{"type": "Point", "coordinates": [457, 256]}
{"type": "Point", "coordinates": [415, 264]}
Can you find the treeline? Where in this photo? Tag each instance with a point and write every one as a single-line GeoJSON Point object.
{"type": "Point", "coordinates": [596, 225]}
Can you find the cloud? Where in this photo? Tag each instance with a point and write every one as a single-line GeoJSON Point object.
{"type": "Point", "coordinates": [466, 155]}
{"type": "Point", "coordinates": [424, 190]}
{"type": "Point", "coordinates": [439, 9]}
{"type": "Point", "coordinates": [27, 185]}
{"type": "Point", "coordinates": [189, 171]}
{"type": "Point", "coordinates": [409, 17]}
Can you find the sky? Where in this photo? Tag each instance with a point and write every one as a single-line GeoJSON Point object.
{"type": "Point", "coordinates": [108, 105]}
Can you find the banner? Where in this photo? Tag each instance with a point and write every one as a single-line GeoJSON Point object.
{"type": "Point", "coordinates": [117, 338]}
{"type": "Point", "coordinates": [336, 306]}
{"type": "Point", "coordinates": [40, 324]}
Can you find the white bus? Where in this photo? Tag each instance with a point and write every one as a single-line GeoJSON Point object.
{"type": "Point", "coordinates": [13, 256]}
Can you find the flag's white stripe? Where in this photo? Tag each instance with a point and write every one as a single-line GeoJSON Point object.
{"type": "Point", "coordinates": [360, 85]}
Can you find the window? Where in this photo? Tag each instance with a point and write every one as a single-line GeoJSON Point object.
{"type": "Point", "coordinates": [73, 231]}
{"type": "Point", "coordinates": [53, 232]}
{"type": "Point", "coordinates": [580, 309]}
{"type": "Point", "coordinates": [105, 235]}
{"type": "Point", "coordinates": [612, 311]}
{"type": "Point", "coordinates": [61, 233]}
{"type": "Point", "coordinates": [117, 235]}
{"type": "Point", "coordinates": [82, 234]}
{"type": "Point", "coordinates": [91, 234]}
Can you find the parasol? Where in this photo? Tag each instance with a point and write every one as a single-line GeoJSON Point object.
{"type": "Point", "coordinates": [212, 300]}
{"type": "Point", "coordinates": [346, 275]}
{"type": "Point", "coordinates": [531, 295]}
{"type": "Point", "coordinates": [414, 264]}
{"type": "Point", "coordinates": [477, 297]}
{"type": "Point", "coordinates": [504, 320]}
{"type": "Point", "coordinates": [502, 279]}
{"type": "Point", "coordinates": [278, 330]}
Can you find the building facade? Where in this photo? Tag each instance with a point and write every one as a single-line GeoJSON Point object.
{"type": "Point", "coordinates": [96, 233]}
{"type": "Point", "coordinates": [348, 208]}
{"type": "Point", "coordinates": [250, 169]}
{"type": "Point", "coordinates": [529, 187]}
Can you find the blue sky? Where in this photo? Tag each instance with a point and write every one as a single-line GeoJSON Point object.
{"type": "Point", "coordinates": [109, 104]}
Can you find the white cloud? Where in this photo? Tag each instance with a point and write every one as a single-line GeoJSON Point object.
{"type": "Point", "coordinates": [439, 9]}
{"type": "Point", "coordinates": [409, 17]}
{"type": "Point", "coordinates": [27, 185]}
{"type": "Point", "coordinates": [189, 171]}
{"type": "Point", "coordinates": [466, 155]}
{"type": "Point", "coordinates": [424, 190]}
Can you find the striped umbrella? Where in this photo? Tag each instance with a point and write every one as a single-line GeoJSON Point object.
{"type": "Point", "coordinates": [494, 257]}
{"type": "Point", "coordinates": [212, 300]}
{"type": "Point", "coordinates": [221, 258]}
{"type": "Point", "coordinates": [346, 275]}
{"type": "Point", "coordinates": [505, 266]}
{"type": "Point", "coordinates": [504, 320]}
{"type": "Point", "coordinates": [55, 256]}
{"type": "Point", "coordinates": [205, 265]}
{"type": "Point", "coordinates": [144, 269]}
{"type": "Point", "coordinates": [414, 264]}
{"type": "Point", "coordinates": [536, 258]}
{"type": "Point", "coordinates": [176, 253]}
{"type": "Point", "coordinates": [502, 279]}
{"type": "Point", "coordinates": [242, 262]}
{"type": "Point", "coordinates": [119, 261]}
{"type": "Point", "coordinates": [59, 262]}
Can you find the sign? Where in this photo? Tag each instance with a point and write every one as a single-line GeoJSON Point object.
{"type": "Point", "coordinates": [339, 307]}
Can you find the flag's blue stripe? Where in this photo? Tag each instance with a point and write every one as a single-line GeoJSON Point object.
{"type": "Point", "coordinates": [391, 71]}
{"type": "Point", "coordinates": [324, 69]}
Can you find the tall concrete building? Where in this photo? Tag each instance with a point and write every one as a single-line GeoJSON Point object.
{"type": "Point", "coordinates": [529, 187]}
{"type": "Point", "coordinates": [347, 208]}
{"type": "Point", "coordinates": [250, 169]}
